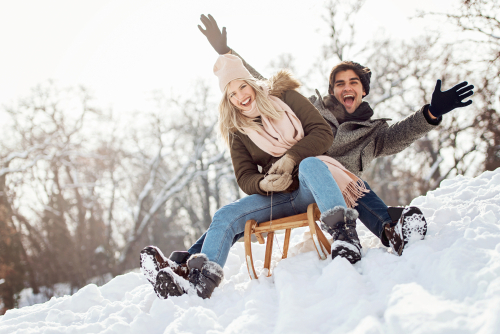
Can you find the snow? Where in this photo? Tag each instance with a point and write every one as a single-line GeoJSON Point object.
{"type": "Point", "coordinates": [447, 283]}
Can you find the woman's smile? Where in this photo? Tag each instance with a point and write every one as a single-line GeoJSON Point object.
{"type": "Point", "coordinates": [241, 94]}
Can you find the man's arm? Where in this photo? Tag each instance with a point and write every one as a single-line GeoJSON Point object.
{"type": "Point", "coordinates": [397, 137]}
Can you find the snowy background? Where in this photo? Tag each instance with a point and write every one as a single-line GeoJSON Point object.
{"type": "Point", "coordinates": [108, 143]}
{"type": "Point", "coordinates": [447, 283]}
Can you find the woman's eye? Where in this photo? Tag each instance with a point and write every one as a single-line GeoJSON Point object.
{"type": "Point", "coordinates": [243, 86]}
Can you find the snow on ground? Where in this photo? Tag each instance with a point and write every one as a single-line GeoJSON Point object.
{"type": "Point", "coordinates": [447, 283]}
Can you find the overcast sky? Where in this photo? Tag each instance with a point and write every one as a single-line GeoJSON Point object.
{"type": "Point", "coordinates": [124, 49]}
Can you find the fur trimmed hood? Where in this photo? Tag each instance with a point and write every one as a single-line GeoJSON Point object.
{"type": "Point", "coordinates": [282, 81]}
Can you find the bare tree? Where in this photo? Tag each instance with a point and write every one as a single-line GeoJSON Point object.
{"type": "Point", "coordinates": [482, 19]}
{"type": "Point", "coordinates": [80, 194]}
{"type": "Point", "coordinates": [44, 160]}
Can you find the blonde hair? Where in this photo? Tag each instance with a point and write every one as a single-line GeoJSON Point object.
{"type": "Point", "coordinates": [232, 120]}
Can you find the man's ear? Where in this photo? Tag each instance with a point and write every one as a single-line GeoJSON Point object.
{"type": "Point", "coordinates": [364, 94]}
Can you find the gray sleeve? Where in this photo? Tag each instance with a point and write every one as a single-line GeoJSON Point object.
{"type": "Point", "coordinates": [395, 138]}
{"type": "Point", "coordinates": [250, 69]}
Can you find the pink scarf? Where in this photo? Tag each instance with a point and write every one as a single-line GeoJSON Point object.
{"type": "Point", "coordinates": [276, 136]}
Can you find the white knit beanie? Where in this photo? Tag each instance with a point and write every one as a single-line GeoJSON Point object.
{"type": "Point", "coordinates": [229, 67]}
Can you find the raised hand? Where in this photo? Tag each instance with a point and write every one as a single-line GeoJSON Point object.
{"type": "Point", "coordinates": [212, 32]}
{"type": "Point", "coordinates": [444, 102]}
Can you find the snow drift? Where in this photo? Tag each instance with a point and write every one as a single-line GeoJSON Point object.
{"type": "Point", "coordinates": [447, 283]}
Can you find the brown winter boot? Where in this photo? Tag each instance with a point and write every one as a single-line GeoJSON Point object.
{"type": "Point", "coordinates": [152, 261]}
{"type": "Point", "coordinates": [408, 224]}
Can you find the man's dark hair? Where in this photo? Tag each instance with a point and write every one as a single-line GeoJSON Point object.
{"type": "Point", "coordinates": [361, 71]}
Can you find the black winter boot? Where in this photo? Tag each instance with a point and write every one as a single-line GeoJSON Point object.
{"type": "Point", "coordinates": [204, 277]}
{"type": "Point", "coordinates": [152, 261]}
{"type": "Point", "coordinates": [408, 224]}
{"type": "Point", "coordinates": [341, 224]}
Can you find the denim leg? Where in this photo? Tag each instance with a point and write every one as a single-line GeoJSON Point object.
{"type": "Point", "coordinates": [196, 247]}
{"type": "Point", "coordinates": [373, 212]}
{"type": "Point", "coordinates": [316, 180]}
{"type": "Point", "coordinates": [228, 223]}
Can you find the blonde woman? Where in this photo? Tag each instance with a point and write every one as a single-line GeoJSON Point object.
{"type": "Point", "coordinates": [276, 138]}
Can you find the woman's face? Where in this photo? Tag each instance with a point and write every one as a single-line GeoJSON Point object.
{"type": "Point", "coordinates": [240, 94]}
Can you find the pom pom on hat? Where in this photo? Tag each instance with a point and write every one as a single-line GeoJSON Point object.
{"type": "Point", "coordinates": [229, 67]}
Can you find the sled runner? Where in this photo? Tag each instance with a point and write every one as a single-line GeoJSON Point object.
{"type": "Point", "coordinates": [304, 219]}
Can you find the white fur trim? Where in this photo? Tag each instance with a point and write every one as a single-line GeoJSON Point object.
{"type": "Point", "coordinates": [214, 268]}
{"type": "Point", "coordinates": [351, 214]}
{"type": "Point", "coordinates": [194, 257]}
{"type": "Point", "coordinates": [209, 266]}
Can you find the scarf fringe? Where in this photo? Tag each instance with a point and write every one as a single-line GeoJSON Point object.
{"type": "Point", "coordinates": [354, 191]}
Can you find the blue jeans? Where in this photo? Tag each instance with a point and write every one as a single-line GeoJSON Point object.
{"type": "Point", "coordinates": [373, 213]}
{"type": "Point", "coordinates": [316, 185]}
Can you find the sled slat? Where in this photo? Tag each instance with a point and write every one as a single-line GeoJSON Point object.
{"type": "Point", "coordinates": [269, 252]}
{"type": "Point", "coordinates": [259, 237]}
{"type": "Point", "coordinates": [248, 248]}
{"type": "Point", "coordinates": [280, 226]}
{"type": "Point", "coordinates": [286, 243]}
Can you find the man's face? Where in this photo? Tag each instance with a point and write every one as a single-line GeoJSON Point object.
{"type": "Point", "coordinates": [348, 90]}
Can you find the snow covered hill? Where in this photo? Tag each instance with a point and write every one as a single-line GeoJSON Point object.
{"type": "Point", "coordinates": [447, 283]}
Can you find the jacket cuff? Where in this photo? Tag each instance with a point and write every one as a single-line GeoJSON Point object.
{"type": "Point", "coordinates": [294, 155]}
{"type": "Point", "coordinates": [255, 188]}
{"type": "Point", "coordinates": [428, 118]}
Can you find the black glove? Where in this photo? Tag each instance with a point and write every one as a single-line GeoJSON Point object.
{"type": "Point", "coordinates": [443, 102]}
{"type": "Point", "coordinates": [217, 39]}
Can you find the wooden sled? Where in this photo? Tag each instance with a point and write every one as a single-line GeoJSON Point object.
{"type": "Point", "coordinates": [305, 219]}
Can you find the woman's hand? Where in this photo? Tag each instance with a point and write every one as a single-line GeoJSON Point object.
{"type": "Point", "coordinates": [274, 182]}
{"type": "Point", "coordinates": [217, 39]}
{"type": "Point", "coordinates": [284, 165]}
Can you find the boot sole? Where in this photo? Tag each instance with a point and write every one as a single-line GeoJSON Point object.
{"type": "Point", "coordinates": [167, 284]}
{"type": "Point", "coordinates": [413, 226]}
{"type": "Point", "coordinates": [345, 250]}
{"type": "Point", "coordinates": [149, 264]}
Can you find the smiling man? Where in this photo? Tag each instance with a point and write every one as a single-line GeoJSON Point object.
{"type": "Point", "coordinates": [359, 139]}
